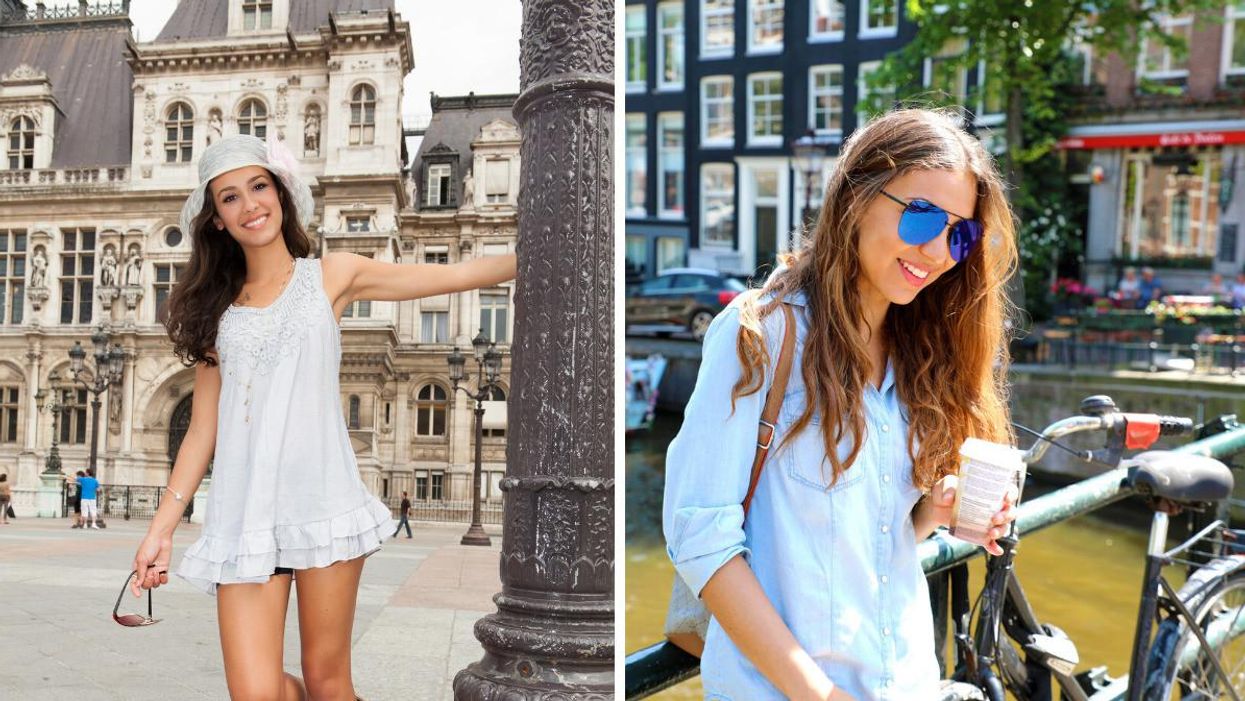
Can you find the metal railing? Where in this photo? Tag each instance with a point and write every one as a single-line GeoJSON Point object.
{"type": "Point", "coordinates": [663, 665]}
{"type": "Point", "coordinates": [451, 511]}
{"type": "Point", "coordinates": [126, 501]}
{"type": "Point", "coordinates": [1201, 358]}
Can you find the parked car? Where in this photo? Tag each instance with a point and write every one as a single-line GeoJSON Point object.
{"type": "Point", "coordinates": [680, 300]}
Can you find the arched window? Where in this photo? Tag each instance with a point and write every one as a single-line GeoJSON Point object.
{"type": "Point", "coordinates": [253, 118]}
{"type": "Point", "coordinates": [354, 411]}
{"type": "Point", "coordinates": [179, 132]}
{"type": "Point", "coordinates": [363, 115]}
{"type": "Point", "coordinates": [495, 394]}
{"type": "Point", "coordinates": [430, 411]}
{"type": "Point", "coordinates": [22, 144]}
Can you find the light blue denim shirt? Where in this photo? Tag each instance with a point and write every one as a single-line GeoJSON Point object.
{"type": "Point", "coordinates": [839, 564]}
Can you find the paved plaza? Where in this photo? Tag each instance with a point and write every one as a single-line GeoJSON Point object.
{"type": "Point", "coordinates": [413, 630]}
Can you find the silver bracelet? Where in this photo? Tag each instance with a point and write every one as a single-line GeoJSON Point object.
{"type": "Point", "coordinates": [176, 495]}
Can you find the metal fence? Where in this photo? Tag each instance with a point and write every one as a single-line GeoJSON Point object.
{"type": "Point", "coordinates": [451, 511]}
{"type": "Point", "coordinates": [1204, 358]}
{"type": "Point", "coordinates": [126, 501]}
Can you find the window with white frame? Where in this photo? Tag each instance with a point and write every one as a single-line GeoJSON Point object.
{"type": "Point", "coordinates": [671, 252]}
{"type": "Point", "coordinates": [495, 394]}
{"type": "Point", "coordinates": [879, 18]}
{"type": "Point", "coordinates": [77, 275]}
{"type": "Point", "coordinates": [825, 99]}
{"type": "Point", "coordinates": [22, 143]}
{"type": "Point", "coordinates": [360, 308]}
{"type": "Point", "coordinates": [765, 109]}
{"type": "Point", "coordinates": [991, 101]}
{"type": "Point", "coordinates": [434, 327]}
{"type": "Point", "coordinates": [362, 115]}
{"type": "Point", "coordinates": [1160, 62]}
{"type": "Point", "coordinates": [765, 25]}
{"type": "Point", "coordinates": [437, 256]}
{"type": "Point", "coordinates": [166, 278]}
{"type": "Point", "coordinates": [8, 414]}
{"type": "Point", "coordinates": [437, 186]}
{"type": "Point", "coordinates": [1234, 40]}
{"type": "Point", "coordinates": [430, 405]}
{"type": "Point", "coordinates": [946, 75]}
{"type": "Point", "coordinates": [359, 222]}
{"type": "Point", "coordinates": [637, 165]}
{"type": "Point", "coordinates": [438, 486]}
{"type": "Point", "coordinates": [717, 28]}
{"type": "Point", "coordinates": [73, 416]}
{"type": "Point", "coordinates": [670, 140]}
{"type": "Point", "coordinates": [717, 204]}
{"type": "Point", "coordinates": [179, 132]}
{"type": "Point", "coordinates": [871, 100]}
{"type": "Point", "coordinates": [494, 315]}
{"type": "Point", "coordinates": [253, 119]}
{"type": "Point", "coordinates": [497, 180]}
{"type": "Point", "coordinates": [637, 49]}
{"type": "Point", "coordinates": [12, 275]}
{"type": "Point", "coordinates": [826, 19]}
{"type": "Point", "coordinates": [256, 14]}
{"type": "Point", "coordinates": [670, 46]}
{"type": "Point", "coordinates": [353, 411]}
{"type": "Point", "coordinates": [717, 111]}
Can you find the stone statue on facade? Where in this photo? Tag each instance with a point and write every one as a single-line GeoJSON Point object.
{"type": "Point", "coordinates": [38, 268]}
{"type": "Point", "coordinates": [469, 190]}
{"type": "Point", "coordinates": [311, 133]}
{"type": "Point", "coordinates": [134, 268]}
{"type": "Point", "coordinates": [215, 128]}
{"type": "Point", "coordinates": [108, 269]}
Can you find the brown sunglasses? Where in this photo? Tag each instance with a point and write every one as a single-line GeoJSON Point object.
{"type": "Point", "coordinates": [132, 620]}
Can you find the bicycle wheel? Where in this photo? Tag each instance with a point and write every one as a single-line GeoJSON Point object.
{"type": "Point", "coordinates": [1180, 668]}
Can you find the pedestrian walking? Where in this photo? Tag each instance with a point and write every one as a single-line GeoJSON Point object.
{"type": "Point", "coordinates": [88, 490]}
{"type": "Point", "coordinates": [259, 321]}
{"type": "Point", "coordinates": [406, 512]}
{"type": "Point", "coordinates": [75, 497]}
{"type": "Point", "coordinates": [6, 498]}
{"type": "Point", "coordinates": [890, 321]}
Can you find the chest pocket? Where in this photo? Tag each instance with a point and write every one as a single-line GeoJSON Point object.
{"type": "Point", "coordinates": [803, 456]}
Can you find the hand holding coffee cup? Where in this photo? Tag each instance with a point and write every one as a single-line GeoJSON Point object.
{"type": "Point", "coordinates": [986, 492]}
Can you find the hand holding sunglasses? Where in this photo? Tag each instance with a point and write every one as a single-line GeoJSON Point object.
{"type": "Point", "coordinates": [923, 221]}
{"type": "Point", "coordinates": [132, 620]}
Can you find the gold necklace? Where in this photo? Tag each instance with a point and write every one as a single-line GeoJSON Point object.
{"type": "Point", "coordinates": [246, 295]}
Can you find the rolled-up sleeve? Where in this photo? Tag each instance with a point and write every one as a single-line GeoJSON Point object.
{"type": "Point", "coordinates": [709, 462]}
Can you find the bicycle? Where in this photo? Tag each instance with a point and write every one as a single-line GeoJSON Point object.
{"type": "Point", "coordinates": [1198, 650]}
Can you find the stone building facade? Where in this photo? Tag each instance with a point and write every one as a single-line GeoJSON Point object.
{"type": "Point", "coordinates": [99, 144]}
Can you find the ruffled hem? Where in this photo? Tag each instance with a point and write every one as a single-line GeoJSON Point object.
{"type": "Point", "coordinates": [251, 557]}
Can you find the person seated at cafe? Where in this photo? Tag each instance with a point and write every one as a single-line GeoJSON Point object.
{"type": "Point", "coordinates": [1238, 291]}
{"type": "Point", "coordinates": [1129, 290]}
{"type": "Point", "coordinates": [1151, 288]}
{"type": "Point", "coordinates": [1217, 288]}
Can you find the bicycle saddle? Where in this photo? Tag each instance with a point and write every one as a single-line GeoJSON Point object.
{"type": "Point", "coordinates": [1180, 477]}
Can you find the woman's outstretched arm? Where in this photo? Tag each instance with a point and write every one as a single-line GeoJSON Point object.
{"type": "Point", "coordinates": [365, 278]}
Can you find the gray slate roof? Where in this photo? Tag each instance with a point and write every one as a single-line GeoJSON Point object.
{"type": "Point", "coordinates": [86, 65]}
{"type": "Point", "coordinates": [205, 19]}
{"type": "Point", "coordinates": [456, 124]}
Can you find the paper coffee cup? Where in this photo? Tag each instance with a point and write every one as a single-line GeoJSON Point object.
{"type": "Point", "coordinates": [987, 472]}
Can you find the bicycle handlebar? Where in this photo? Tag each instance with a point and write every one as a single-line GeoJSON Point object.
{"type": "Point", "coordinates": [1104, 416]}
{"type": "Point", "coordinates": [1175, 426]}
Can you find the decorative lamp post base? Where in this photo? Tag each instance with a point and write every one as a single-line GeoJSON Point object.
{"type": "Point", "coordinates": [476, 536]}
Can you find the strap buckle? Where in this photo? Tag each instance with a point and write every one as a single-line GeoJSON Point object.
{"type": "Point", "coordinates": [772, 430]}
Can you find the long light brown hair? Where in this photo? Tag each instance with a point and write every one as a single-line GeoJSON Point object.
{"type": "Point", "coordinates": [948, 346]}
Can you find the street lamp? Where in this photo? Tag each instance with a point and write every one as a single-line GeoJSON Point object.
{"type": "Point", "coordinates": [109, 366]}
{"type": "Point", "coordinates": [54, 405]}
{"type": "Point", "coordinates": [488, 367]}
{"type": "Point", "coordinates": [807, 155]}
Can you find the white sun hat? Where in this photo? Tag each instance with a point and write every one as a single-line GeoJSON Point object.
{"type": "Point", "coordinates": [240, 151]}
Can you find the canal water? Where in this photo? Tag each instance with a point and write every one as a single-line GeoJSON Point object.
{"type": "Point", "coordinates": [1083, 575]}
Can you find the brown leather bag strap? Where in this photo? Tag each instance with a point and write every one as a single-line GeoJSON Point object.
{"type": "Point", "coordinates": [773, 403]}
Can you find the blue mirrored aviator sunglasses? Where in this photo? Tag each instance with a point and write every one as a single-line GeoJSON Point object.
{"type": "Point", "coordinates": [922, 221]}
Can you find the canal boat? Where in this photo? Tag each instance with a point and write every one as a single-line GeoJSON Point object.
{"type": "Point", "coordinates": [643, 379]}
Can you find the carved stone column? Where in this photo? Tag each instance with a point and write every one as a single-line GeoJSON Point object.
{"type": "Point", "coordinates": [552, 636]}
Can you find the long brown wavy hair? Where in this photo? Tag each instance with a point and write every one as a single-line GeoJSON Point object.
{"type": "Point", "coordinates": [948, 346]}
{"type": "Point", "coordinates": [214, 277]}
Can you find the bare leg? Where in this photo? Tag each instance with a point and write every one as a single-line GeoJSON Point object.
{"type": "Point", "coordinates": [326, 606]}
{"type": "Point", "coordinates": [252, 637]}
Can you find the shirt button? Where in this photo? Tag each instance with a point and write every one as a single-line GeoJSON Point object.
{"type": "Point", "coordinates": [886, 479]}
{"type": "Point", "coordinates": [885, 579]}
{"type": "Point", "coordinates": [886, 631]}
{"type": "Point", "coordinates": [886, 428]}
{"type": "Point", "coordinates": [886, 529]}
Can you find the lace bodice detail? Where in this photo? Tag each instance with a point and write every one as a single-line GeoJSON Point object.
{"type": "Point", "coordinates": [259, 337]}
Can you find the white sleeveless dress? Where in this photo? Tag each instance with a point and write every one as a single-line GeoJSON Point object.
{"type": "Point", "coordinates": [285, 488]}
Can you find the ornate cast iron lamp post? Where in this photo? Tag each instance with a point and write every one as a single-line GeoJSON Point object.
{"type": "Point", "coordinates": [109, 365]}
{"type": "Point", "coordinates": [807, 155]}
{"type": "Point", "coordinates": [54, 404]}
{"type": "Point", "coordinates": [552, 636]}
{"type": "Point", "coordinates": [488, 367]}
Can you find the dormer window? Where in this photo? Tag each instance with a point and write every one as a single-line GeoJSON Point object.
{"type": "Point", "coordinates": [256, 14]}
{"type": "Point", "coordinates": [179, 132]}
{"type": "Point", "coordinates": [363, 115]}
{"type": "Point", "coordinates": [22, 144]}
{"type": "Point", "coordinates": [438, 186]}
{"type": "Point", "coordinates": [253, 118]}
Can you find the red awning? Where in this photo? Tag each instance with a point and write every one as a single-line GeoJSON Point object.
{"type": "Point", "coordinates": [1187, 138]}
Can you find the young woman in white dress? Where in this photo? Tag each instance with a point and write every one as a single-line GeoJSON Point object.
{"type": "Point", "coordinates": [258, 320]}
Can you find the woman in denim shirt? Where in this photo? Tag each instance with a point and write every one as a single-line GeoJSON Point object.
{"type": "Point", "coordinates": [900, 356]}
